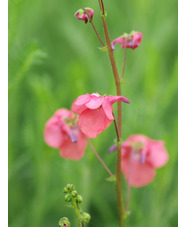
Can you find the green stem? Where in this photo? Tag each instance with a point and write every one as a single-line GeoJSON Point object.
{"type": "Point", "coordinates": [118, 88]}
{"type": "Point", "coordinates": [77, 213]}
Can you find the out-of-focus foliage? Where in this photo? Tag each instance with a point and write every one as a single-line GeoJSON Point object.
{"type": "Point", "coordinates": [53, 58]}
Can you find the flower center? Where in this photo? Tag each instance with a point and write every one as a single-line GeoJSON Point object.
{"type": "Point", "coordinates": [138, 151]}
{"type": "Point", "coordinates": [73, 138]}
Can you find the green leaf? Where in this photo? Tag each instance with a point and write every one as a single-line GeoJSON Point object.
{"type": "Point", "coordinates": [111, 179]}
{"type": "Point", "coordinates": [127, 213]}
{"type": "Point", "coordinates": [103, 48]}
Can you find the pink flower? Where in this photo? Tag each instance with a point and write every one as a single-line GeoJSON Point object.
{"type": "Point", "coordinates": [96, 112]}
{"type": "Point", "coordinates": [140, 157]}
{"type": "Point", "coordinates": [131, 40]}
{"type": "Point", "coordinates": [84, 14]}
{"type": "Point", "coordinates": [61, 131]}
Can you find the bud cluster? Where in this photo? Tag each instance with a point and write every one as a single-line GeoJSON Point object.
{"type": "Point", "coordinates": [73, 200]}
{"type": "Point", "coordinates": [72, 194]}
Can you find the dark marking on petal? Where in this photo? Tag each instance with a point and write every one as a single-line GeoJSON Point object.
{"type": "Point", "coordinates": [73, 138]}
{"type": "Point", "coordinates": [142, 158]}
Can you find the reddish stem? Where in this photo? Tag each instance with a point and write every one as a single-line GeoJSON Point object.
{"type": "Point", "coordinates": [98, 157]}
{"type": "Point", "coordinates": [123, 69]}
{"type": "Point", "coordinates": [97, 33]}
{"type": "Point", "coordinates": [90, 19]}
{"type": "Point", "coordinates": [128, 185]}
{"type": "Point", "coordinates": [118, 88]}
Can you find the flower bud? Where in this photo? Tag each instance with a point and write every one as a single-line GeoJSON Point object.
{"type": "Point", "coordinates": [112, 148]}
{"type": "Point", "coordinates": [64, 222]}
{"type": "Point", "coordinates": [68, 198]}
{"type": "Point", "coordinates": [65, 190]}
{"type": "Point", "coordinates": [74, 193]}
{"type": "Point", "coordinates": [70, 187]}
{"type": "Point", "coordinates": [79, 199]}
{"type": "Point", "coordinates": [84, 14]}
{"type": "Point", "coordinates": [85, 217]}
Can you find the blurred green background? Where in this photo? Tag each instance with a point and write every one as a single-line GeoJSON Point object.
{"type": "Point", "coordinates": [53, 58]}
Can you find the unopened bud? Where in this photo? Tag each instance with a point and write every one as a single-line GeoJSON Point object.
{"type": "Point", "coordinates": [85, 217]}
{"type": "Point", "coordinates": [70, 187]}
{"type": "Point", "coordinates": [65, 190]}
{"type": "Point", "coordinates": [85, 14]}
{"type": "Point", "coordinates": [64, 222]}
{"type": "Point", "coordinates": [74, 193]}
{"type": "Point", "coordinates": [79, 199]}
{"type": "Point", "coordinates": [68, 198]}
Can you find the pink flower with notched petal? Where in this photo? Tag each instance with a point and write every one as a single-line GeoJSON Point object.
{"type": "Point", "coordinates": [131, 40]}
{"type": "Point", "coordinates": [61, 131]}
{"type": "Point", "coordinates": [140, 156]}
{"type": "Point", "coordinates": [84, 14]}
{"type": "Point", "coordinates": [96, 112]}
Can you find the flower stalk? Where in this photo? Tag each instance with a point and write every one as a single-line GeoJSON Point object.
{"type": "Point", "coordinates": [73, 200]}
{"type": "Point", "coordinates": [97, 33]}
{"type": "Point", "coordinates": [124, 60]}
{"type": "Point", "coordinates": [86, 12]}
{"type": "Point", "coordinates": [77, 213]}
{"type": "Point", "coordinates": [119, 109]}
{"type": "Point", "coordinates": [99, 158]}
{"type": "Point", "coordinates": [90, 20]}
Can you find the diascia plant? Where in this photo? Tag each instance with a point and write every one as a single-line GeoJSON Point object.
{"type": "Point", "coordinates": [71, 130]}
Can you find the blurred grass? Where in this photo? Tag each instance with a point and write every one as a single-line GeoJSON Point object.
{"type": "Point", "coordinates": [53, 58]}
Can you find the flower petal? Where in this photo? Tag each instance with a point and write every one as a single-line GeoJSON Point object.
{"type": "Point", "coordinates": [63, 113]}
{"type": "Point", "coordinates": [158, 155]}
{"type": "Point", "coordinates": [82, 17]}
{"type": "Point", "coordinates": [120, 40]}
{"type": "Point", "coordinates": [95, 102]}
{"type": "Point", "coordinates": [136, 40]}
{"type": "Point", "coordinates": [93, 122]}
{"type": "Point", "coordinates": [74, 151]}
{"type": "Point", "coordinates": [79, 104]}
{"type": "Point", "coordinates": [107, 106]}
{"type": "Point", "coordinates": [81, 14]}
{"type": "Point", "coordinates": [131, 40]}
{"type": "Point", "coordinates": [108, 102]}
{"type": "Point", "coordinates": [53, 135]}
{"type": "Point", "coordinates": [139, 138]}
{"type": "Point", "coordinates": [69, 131]}
{"type": "Point", "coordinates": [82, 99]}
{"type": "Point", "coordinates": [114, 99]}
{"type": "Point", "coordinates": [136, 173]}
